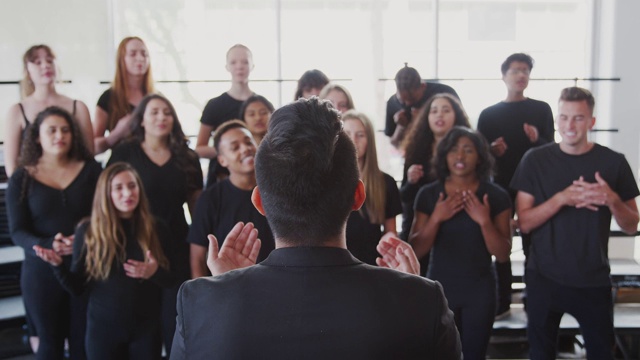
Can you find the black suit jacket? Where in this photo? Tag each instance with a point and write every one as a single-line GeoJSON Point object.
{"type": "Point", "coordinates": [314, 303]}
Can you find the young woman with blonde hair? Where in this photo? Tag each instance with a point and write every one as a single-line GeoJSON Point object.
{"type": "Point", "coordinates": [133, 80]}
{"type": "Point", "coordinates": [38, 92]}
{"type": "Point", "coordinates": [378, 214]}
{"type": "Point", "coordinates": [119, 260]}
{"type": "Point", "coordinates": [339, 97]}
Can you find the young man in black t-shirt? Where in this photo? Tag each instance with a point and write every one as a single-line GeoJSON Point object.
{"type": "Point", "coordinates": [567, 193]}
{"type": "Point", "coordinates": [227, 202]}
{"type": "Point", "coordinates": [404, 105]}
{"type": "Point", "coordinates": [512, 127]}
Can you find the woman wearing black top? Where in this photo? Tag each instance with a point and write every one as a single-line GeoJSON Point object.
{"type": "Point", "coordinates": [378, 214]}
{"type": "Point", "coordinates": [114, 254]}
{"type": "Point", "coordinates": [46, 197]}
{"type": "Point", "coordinates": [171, 175]}
{"type": "Point", "coordinates": [439, 114]}
{"type": "Point", "coordinates": [463, 219]}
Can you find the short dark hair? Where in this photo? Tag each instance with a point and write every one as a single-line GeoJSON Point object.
{"type": "Point", "coordinates": [311, 79]}
{"type": "Point", "coordinates": [251, 100]}
{"type": "Point", "coordinates": [520, 57]}
{"type": "Point", "coordinates": [32, 150]}
{"type": "Point", "coordinates": [307, 173]}
{"type": "Point", "coordinates": [223, 128]}
{"type": "Point", "coordinates": [407, 78]}
{"type": "Point", "coordinates": [578, 94]}
{"type": "Point", "coordinates": [484, 168]}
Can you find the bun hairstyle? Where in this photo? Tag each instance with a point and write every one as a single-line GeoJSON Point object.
{"type": "Point", "coordinates": [307, 172]}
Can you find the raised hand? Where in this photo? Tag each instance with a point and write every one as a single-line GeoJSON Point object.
{"type": "Point", "coordinates": [141, 269]}
{"type": "Point", "coordinates": [531, 132]}
{"type": "Point", "coordinates": [499, 147]}
{"type": "Point", "coordinates": [480, 212]}
{"type": "Point", "coordinates": [415, 173]}
{"type": "Point", "coordinates": [445, 209]}
{"type": "Point", "coordinates": [239, 250]}
{"type": "Point", "coordinates": [48, 255]}
{"type": "Point", "coordinates": [397, 255]}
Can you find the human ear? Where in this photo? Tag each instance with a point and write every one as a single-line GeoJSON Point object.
{"type": "Point", "coordinates": [256, 199]}
{"type": "Point", "coordinates": [359, 196]}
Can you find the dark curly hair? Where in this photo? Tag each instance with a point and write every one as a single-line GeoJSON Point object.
{"type": "Point", "coordinates": [484, 167]}
{"type": "Point", "coordinates": [178, 142]}
{"type": "Point", "coordinates": [418, 144]}
{"type": "Point", "coordinates": [32, 150]}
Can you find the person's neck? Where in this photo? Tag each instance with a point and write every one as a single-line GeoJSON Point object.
{"type": "Point", "coordinates": [240, 90]}
{"type": "Point", "coordinates": [258, 138]}
{"type": "Point", "coordinates": [463, 182]}
{"type": "Point", "coordinates": [513, 96]}
{"type": "Point", "coordinates": [134, 82]}
{"type": "Point", "coordinates": [332, 242]}
{"type": "Point", "coordinates": [54, 161]}
{"type": "Point", "coordinates": [243, 181]}
{"type": "Point", "coordinates": [44, 92]}
{"type": "Point", "coordinates": [360, 165]}
{"type": "Point", "coordinates": [577, 149]}
{"type": "Point", "coordinates": [154, 143]}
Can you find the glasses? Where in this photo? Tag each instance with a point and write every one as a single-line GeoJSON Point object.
{"type": "Point", "coordinates": [519, 71]}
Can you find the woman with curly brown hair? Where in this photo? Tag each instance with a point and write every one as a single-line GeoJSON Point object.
{"type": "Point", "coordinates": [46, 198]}
{"type": "Point", "coordinates": [439, 114]}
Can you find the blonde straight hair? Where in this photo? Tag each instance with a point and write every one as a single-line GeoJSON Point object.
{"type": "Point", "coordinates": [105, 240]}
{"type": "Point", "coordinates": [371, 175]}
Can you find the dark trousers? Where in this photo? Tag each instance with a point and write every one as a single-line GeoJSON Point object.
{"type": "Point", "coordinates": [547, 301]}
{"type": "Point", "coordinates": [473, 306]}
{"type": "Point", "coordinates": [51, 310]}
{"type": "Point", "coordinates": [109, 338]}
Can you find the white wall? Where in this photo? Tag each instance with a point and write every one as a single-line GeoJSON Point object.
{"type": "Point", "coordinates": [76, 30]}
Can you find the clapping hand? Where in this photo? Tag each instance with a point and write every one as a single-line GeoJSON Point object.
{"type": "Point", "coordinates": [397, 255]}
{"type": "Point", "coordinates": [239, 250]}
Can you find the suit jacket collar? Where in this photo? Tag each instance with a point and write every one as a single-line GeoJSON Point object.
{"type": "Point", "coordinates": [310, 257]}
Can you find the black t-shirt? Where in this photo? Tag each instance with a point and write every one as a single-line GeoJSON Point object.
{"type": "Point", "coordinates": [571, 248]}
{"type": "Point", "coordinates": [167, 187]}
{"type": "Point", "coordinates": [219, 209]}
{"type": "Point", "coordinates": [394, 105]}
{"type": "Point", "coordinates": [104, 102]}
{"type": "Point", "coordinates": [217, 111]}
{"type": "Point", "coordinates": [459, 255]}
{"type": "Point", "coordinates": [362, 235]}
{"type": "Point", "coordinates": [507, 119]}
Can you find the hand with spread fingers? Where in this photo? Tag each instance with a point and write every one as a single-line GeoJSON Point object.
{"type": "Point", "coordinates": [595, 194]}
{"type": "Point", "coordinates": [397, 255]}
{"type": "Point", "coordinates": [445, 209]}
{"type": "Point", "coordinates": [479, 211]}
{"type": "Point", "coordinates": [239, 250]}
